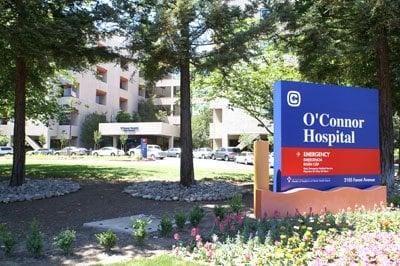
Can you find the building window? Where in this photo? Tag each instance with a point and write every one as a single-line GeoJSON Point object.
{"type": "Point", "coordinates": [71, 91]}
{"type": "Point", "coordinates": [101, 97]}
{"type": "Point", "coordinates": [177, 110]}
{"type": "Point", "coordinates": [123, 83]}
{"type": "Point", "coordinates": [177, 90]}
{"type": "Point", "coordinates": [123, 104]}
{"type": "Point", "coordinates": [3, 121]}
{"type": "Point", "coordinates": [142, 91]}
{"type": "Point", "coordinates": [218, 116]}
{"type": "Point", "coordinates": [101, 74]}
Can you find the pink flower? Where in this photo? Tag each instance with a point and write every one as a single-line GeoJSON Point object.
{"type": "Point", "coordinates": [198, 238]}
{"type": "Point", "coordinates": [195, 231]}
{"type": "Point", "coordinates": [177, 237]}
{"type": "Point", "coordinates": [221, 227]}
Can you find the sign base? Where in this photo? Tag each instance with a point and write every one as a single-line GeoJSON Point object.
{"type": "Point", "coordinates": [302, 201]}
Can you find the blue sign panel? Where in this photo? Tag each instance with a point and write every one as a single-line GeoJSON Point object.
{"type": "Point", "coordinates": [143, 147]}
{"type": "Point", "coordinates": [325, 136]}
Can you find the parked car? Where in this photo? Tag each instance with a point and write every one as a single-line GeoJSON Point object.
{"type": "Point", "coordinates": [271, 160]}
{"type": "Point", "coordinates": [174, 152]}
{"type": "Point", "coordinates": [227, 154]}
{"type": "Point", "coordinates": [108, 151]}
{"type": "Point", "coordinates": [153, 151]}
{"type": "Point", "coordinates": [71, 150]}
{"type": "Point", "coordinates": [42, 151]}
{"type": "Point", "coordinates": [4, 150]}
{"type": "Point", "coordinates": [202, 153]}
{"type": "Point", "coordinates": [245, 157]}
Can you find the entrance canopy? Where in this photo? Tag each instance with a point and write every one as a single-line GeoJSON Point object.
{"type": "Point", "coordinates": [139, 129]}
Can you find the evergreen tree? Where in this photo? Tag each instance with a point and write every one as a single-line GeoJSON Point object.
{"type": "Point", "coordinates": [349, 43]}
{"type": "Point", "coordinates": [170, 36]}
{"type": "Point", "coordinates": [38, 37]}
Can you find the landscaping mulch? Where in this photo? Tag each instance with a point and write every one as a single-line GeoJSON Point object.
{"type": "Point", "coordinates": [94, 201]}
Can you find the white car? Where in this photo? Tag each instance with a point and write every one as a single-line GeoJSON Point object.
{"type": "Point", "coordinates": [153, 151]}
{"type": "Point", "coordinates": [245, 157]}
{"type": "Point", "coordinates": [202, 153]}
{"type": "Point", "coordinates": [271, 160]}
{"type": "Point", "coordinates": [108, 151]}
{"type": "Point", "coordinates": [4, 150]}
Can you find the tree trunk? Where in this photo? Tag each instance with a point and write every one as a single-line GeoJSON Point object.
{"type": "Point", "coordinates": [18, 170]}
{"type": "Point", "coordinates": [187, 171]}
{"type": "Point", "coordinates": [386, 111]}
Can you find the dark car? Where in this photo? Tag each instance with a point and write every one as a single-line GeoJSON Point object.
{"type": "Point", "coordinates": [43, 151]}
{"type": "Point", "coordinates": [227, 154]}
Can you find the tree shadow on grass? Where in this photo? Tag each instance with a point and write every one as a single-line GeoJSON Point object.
{"type": "Point", "coordinates": [83, 172]}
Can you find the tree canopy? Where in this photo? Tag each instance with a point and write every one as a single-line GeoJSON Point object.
{"type": "Point", "coordinates": [348, 43]}
{"type": "Point", "coordinates": [249, 85]}
{"type": "Point", "coordinates": [38, 38]}
{"type": "Point", "coordinates": [173, 35]}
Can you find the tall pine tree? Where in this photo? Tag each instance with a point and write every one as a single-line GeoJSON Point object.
{"type": "Point", "coordinates": [350, 43]}
{"type": "Point", "coordinates": [181, 35]}
{"type": "Point", "coordinates": [37, 38]}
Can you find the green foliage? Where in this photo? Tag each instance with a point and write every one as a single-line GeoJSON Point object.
{"type": "Point", "coordinates": [236, 203]}
{"type": "Point", "coordinates": [349, 43]}
{"type": "Point", "coordinates": [246, 140]}
{"type": "Point", "coordinates": [42, 140]}
{"type": "Point", "coordinates": [7, 239]}
{"type": "Point", "coordinates": [136, 117]}
{"type": "Point", "coordinates": [65, 241]}
{"type": "Point", "coordinates": [180, 220]}
{"type": "Point", "coordinates": [123, 139]}
{"type": "Point", "coordinates": [3, 140]}
{"type": "Point", "coordinates": [34, 242]}
{"type": "Point", "coordinates": [248, 84]}
{"type": "Point", "coordinates": [196, 215]}
{"type": "Point", "coordinates": [140, 230]}
{"type": "Point", "coordinates": [107, 239]}
{"type": "Point", "coordinates": [201, 128]}
{"type": "Point", "coordinates": [168, 38]}
{"type": "Point", "coordinates": [147, 111]}
{"type": "Point", "coordinates": [123, 116]}
{"type": "Point", "coordinates": [165, 226]}
{"type": "Point", "coordinates": [89, 126]}
{"type": "Point", "coordinates": [96, 138]}
{"type": "Point", "coordinates": [64, 140]}
{"type": "Point", "coordinates": [220, 212]}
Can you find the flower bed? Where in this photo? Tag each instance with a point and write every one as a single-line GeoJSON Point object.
{"type": "Point", "coordinates": [361, 237]}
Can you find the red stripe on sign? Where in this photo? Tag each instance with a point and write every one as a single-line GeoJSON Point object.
{"type": "Point", "coordinates": [328, 161]}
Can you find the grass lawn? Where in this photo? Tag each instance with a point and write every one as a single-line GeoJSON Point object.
{"type": "Point", "coordinates": [163, 260]}
{"type": "Point", "coordinates": [121, 168]}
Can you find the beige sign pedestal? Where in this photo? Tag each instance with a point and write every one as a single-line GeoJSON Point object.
{"type": "Point", "coordinates": [301, 201]}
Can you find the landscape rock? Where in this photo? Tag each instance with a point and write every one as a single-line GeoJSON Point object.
{"type": "Point", "coordinates": [174, 191]}
{"type": "Point", "coordinates": [34, 189]}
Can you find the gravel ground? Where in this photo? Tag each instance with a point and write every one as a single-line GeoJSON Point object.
{"type": "Point", "coordinates": [94, 201]}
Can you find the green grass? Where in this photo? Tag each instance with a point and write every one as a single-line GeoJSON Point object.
{"type": "Point", "coordinates": [162, 260]}
{"type": "Point", "coordinates": [87, 168]}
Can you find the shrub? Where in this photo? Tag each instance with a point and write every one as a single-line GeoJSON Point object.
{"type": "Point", "coordinates": [140, 230]}
{"type": "Point", "coordinates": [107, 239]}
{"type": "Point", "coordinates": [34, 243]}
{"type": "Point", "coordinates": [236, 204]}
{"type": "Point", "coordinates": [7, 238]}
{"type": "Point", "coordinates": [180, 220]}
{"type": "Point", "coordinates": [165, 226]}
{"type": "Point", "coordinates": [65, 241]}
{"type": "Point", "coordinates": [123, 116]}
{"type": "Point", "coordinates": [220, 212]}
{"type": "Point", "coordinates": [196, 215]}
